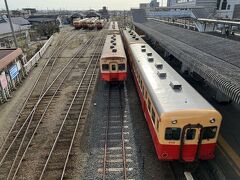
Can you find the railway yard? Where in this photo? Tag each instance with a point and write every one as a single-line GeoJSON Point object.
{"type": "Point", "coordinates": [65, 122]}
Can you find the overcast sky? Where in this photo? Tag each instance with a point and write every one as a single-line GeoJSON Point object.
{"type": "Point", "coordinates": [72, 4]}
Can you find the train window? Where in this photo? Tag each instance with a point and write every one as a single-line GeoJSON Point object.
{"type": "Point", "coordinates": [146, 94]}
{"type": "Point", "coordinates": [172, 133]}
{"type": "Point", "coordinates": [190, 134]}
{"type": "Point", "coordinates": [140, 83]}
{"type": "Point", "coordinates": [113, 67]}
{"type": "Point", "coordinates": [209, 132]}
{"type": "Point", "coordinates": [105, 67]}
{"type": "Point", "coordinates": [149, 105]}
{"type": "Point", "coordinates": [121, 67]}
{"type": "Point", "coordinates": [153, 116]}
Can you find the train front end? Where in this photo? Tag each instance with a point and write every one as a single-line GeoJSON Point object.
{"type": "Point", "coordinates": [113, 62]}
{"type": "Point", "coordinates": [188, 135]}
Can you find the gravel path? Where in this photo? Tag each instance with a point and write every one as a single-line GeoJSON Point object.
{"type": "Point", "coordinates": [144, 160]}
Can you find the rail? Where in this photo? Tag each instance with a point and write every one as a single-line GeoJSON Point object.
{"type": "Point", "coordinates": [56, 49]}
{"type": "Point", "coordinates": [106, 162]}
{"type": "Point", "coordinates": [39, 100]}
{"type": "Point", "coordinates": [64, 123]}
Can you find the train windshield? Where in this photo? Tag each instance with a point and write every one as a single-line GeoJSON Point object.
{"type": "Point", "coordinates": [121, 67]}
{"type": "Point", "coordinates": [105, 67]}
{"type": "Point", "coordinates": [172, 133]}
{"type": "Point", "coordinates": [209, 132]}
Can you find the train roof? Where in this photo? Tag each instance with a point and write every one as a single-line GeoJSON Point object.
{"type": "Point", "coordinates": [113, 26]}
{"type": "Point", "coordinates": [168, 90]}
{"type": "Point", "coordinates": [113, 47]}
{"type": "Point", "coordinates": [132, 37]}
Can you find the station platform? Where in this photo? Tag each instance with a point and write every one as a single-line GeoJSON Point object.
{"type": "Point", "coordinates": [213, 58]}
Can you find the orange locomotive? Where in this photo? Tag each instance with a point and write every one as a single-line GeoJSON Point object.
{"type": "Point", "coordinates": [183, 125]}
{"type": "Point", "coordinates": [113, 62]}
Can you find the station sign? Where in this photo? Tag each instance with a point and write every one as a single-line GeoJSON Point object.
{"type": "Point", "coordinates": [13, 71]}
{"type": "Point", "coordinates": [3, 80]}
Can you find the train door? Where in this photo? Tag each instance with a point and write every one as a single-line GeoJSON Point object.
{"type": "Point", "coordinates": [113, 71]}
{"type": "Point", "coordinates": [191, 139]}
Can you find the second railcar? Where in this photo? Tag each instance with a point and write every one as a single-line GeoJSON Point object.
{"type": "Point", "coordinates": [113, 61]}
{"type": "Point", "coordinates": [183, 125]}
{"type": "Point", "coordinates": [113, 28]}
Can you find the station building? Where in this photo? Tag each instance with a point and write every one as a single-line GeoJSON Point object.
{"type": "Point", "coordinates": [221, 9]}
{"type": "Point", "coordinates": [12, 71]}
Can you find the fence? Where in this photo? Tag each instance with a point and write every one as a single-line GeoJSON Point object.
{"type": "Point", "coordinates": [31, 63]}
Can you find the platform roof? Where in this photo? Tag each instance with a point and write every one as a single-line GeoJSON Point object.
{"type": "Point", "coordinates": [216, 59]}
{"type": "Point", "coordinates": [8, 55]}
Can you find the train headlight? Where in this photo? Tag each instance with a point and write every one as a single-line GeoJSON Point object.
{"type": "Point", "coordinates": [174, 122]}
{"type": "Point", "coordinates": [212, 120]}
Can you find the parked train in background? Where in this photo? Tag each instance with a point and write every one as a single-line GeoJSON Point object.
{"type": "Point", "coordinates": [183, 125]}
{"type": "Point", "coordinates": [88, 23]}
{"type": "Point", "coordinates": [91, 23]}
{"type": "Point", "coordinates": [113, 61]}
{"type": "Point", "coordinates": [78, 23]}
{"type": "Point", "coordinates": [113, 28]}
{"type": "Point", "coordinates": [100, 24]}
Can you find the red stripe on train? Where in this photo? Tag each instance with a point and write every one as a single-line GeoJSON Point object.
{"type": "Point", "coordinates": [120, 76]}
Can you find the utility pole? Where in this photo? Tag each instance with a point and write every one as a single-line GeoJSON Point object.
{"type": "Point", "coordinates": [11, 25]}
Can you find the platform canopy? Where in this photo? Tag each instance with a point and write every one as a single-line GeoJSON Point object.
{"type": "Point", "coordinates": [216, 59]}
{"type": "Point", "coordinates": [7, 56]}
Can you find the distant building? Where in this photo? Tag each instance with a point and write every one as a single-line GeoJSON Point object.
{"type": "Point", "coordinates": [42, 19]}
{"type": "Point", "coordinates": [209, 4]}
{"type": "Point", "coordinates": [76, 15]}
{"type": "Point", "coordinates": [104, 13]}
{"type": "Point", "coordinates": [30, 11]}
{"type": "Point", "coordinates": [164, 3]}
{"type": "Point", "coordinates": [154, 4]}
{"type": "Point", "coordinates": [144, 5]}
{"type": "Point", "coordinates": [20, 21]}
{"type": "Point", "coordinates": [228, 9]}
{"type": "Point", "coordinates": [6, 39]}
{"type": "Point", "coordinates": [19, 13]}
{"type": "Point", "coordinates": [93, 13]}
{"type": "Point", "coordinates": [223, 9]}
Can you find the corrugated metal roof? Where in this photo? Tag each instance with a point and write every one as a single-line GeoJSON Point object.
{"type": "Point", "coordinates": [216, 59]}
{"type": "Point", "coordinates": [41, 19]}
{"type": "Point", "coordinates": [5, 28]}
{"type": "Point", "coordinates": [20, 21]}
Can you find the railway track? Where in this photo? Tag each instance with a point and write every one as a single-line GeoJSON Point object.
{"type": "Point", "coordinates": [40, 84]}
{"type": "Point", "coordinates": [23, 132]}
{"type": "Point", "coordinates": [56, 165]}
{"type": "Point", "coordinates": [116, 156]}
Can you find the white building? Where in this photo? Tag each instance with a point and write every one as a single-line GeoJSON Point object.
{"type": "Point", "coordinates": [224, 9]}
{"type": "Point", "coordinates": [228, 9]}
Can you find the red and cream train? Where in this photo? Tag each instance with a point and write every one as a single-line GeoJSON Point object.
{"type": "Point", "coordinates": [88, 23]}
{"type": "Point", "coordinates": [183, 125]}
{"type": "Point", "coordinates": [113, 61]}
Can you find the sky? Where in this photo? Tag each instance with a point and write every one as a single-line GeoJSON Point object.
{"type": "Point", "coordinates": [73, 4]}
